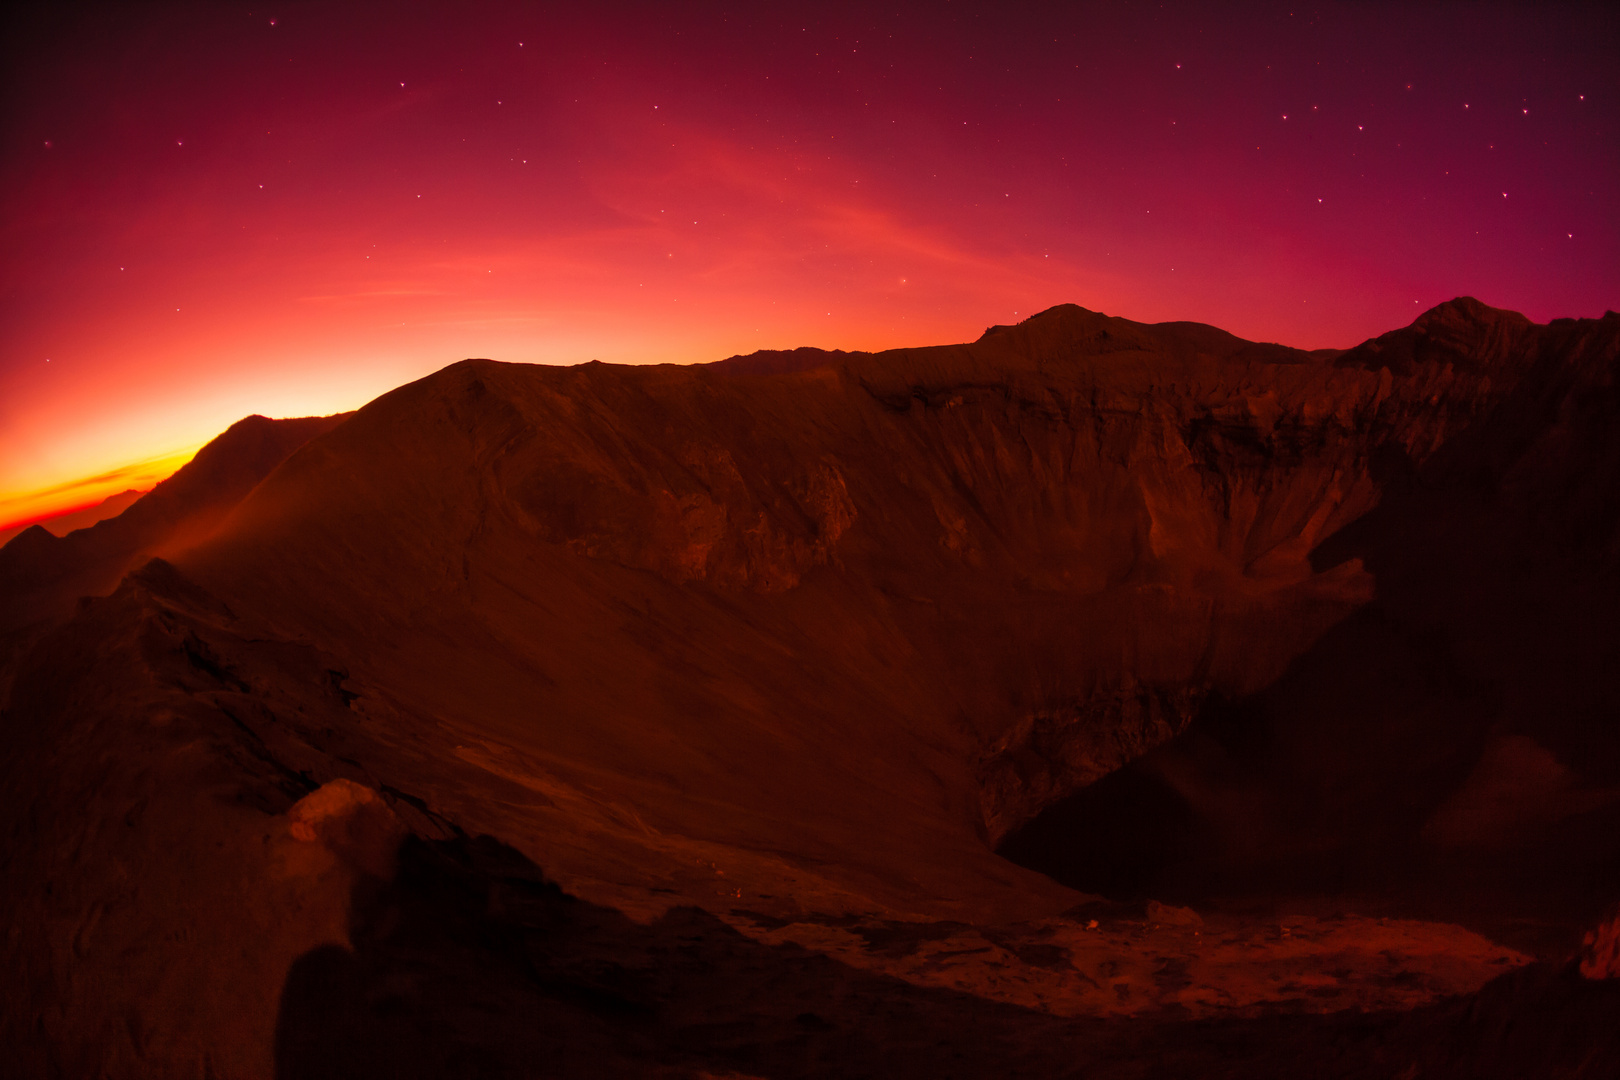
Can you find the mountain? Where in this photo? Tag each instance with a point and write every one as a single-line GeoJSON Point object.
{"type": "Point", "coordinates": [43, 572]}
{"type": "Point", "coordinates": [677, 715]}
{"type": "Point", "coordinates": [62, 524]}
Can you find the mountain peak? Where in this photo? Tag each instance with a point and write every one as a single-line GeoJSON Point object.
{"type": "Point", "coordinates": [1056, 316]}
{"type": "Point", "coordinates": [1460, 331]}
{"type": "Point", "coordinates": [1466, 311]}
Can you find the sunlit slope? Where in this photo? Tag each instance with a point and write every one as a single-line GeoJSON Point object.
{"type": "Point", "coordinates": [42, 575]}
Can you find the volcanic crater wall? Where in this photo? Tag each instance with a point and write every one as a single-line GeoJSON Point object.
{"type": "Point", "coordinates": [1467, 690]}
{"type": "Point", "coordinates": [817, 637]}
{"type": "Point", "coordinates": [1079, 526]}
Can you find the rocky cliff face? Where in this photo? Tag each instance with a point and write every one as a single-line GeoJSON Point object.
{"type": "Point", "coordinates": [815, 634]}
{"type": "Point", "coordinates": [1453, 734]}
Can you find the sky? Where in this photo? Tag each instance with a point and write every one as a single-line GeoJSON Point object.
{"type": "Point", "coordinates": [213, 210]}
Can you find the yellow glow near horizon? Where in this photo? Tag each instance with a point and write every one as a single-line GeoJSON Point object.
{"type": "Point", "coordinates": [35, 506]}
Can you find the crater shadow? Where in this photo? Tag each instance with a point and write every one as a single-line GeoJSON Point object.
{"type": "Point", "coordinates": [1448, 751]}
{"type": "Point", "coordinates": [470, 964]}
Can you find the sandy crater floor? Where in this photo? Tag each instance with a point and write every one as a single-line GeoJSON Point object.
{"type": "Point", "coordinates": [1184, 965]}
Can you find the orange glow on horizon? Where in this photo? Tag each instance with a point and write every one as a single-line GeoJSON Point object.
{"type": "Point", "coordinates": [18, 511]}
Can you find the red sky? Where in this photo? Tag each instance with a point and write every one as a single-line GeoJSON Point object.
{"type": "Point", "coordinates": [221, 209]}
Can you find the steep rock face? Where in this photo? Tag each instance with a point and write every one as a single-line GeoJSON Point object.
{"type": "Point", "coordinates": [1052, 753]}
{"type": "Point", "coordinates": [1455, 735]}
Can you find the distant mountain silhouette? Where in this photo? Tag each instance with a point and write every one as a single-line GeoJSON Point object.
{"type": "Point", "coordinates": [62, 524]}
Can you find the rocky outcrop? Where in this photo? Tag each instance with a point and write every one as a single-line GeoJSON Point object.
{"type": "Point", "coordinates": [1600, 949]}
{"type": "Point", "coordinates": [1056, 752]}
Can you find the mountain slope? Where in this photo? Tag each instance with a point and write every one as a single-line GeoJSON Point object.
{"type": "Point", "coordinates": [800, 644]}
{"type": "Point", "coordinates": [42, 574]}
